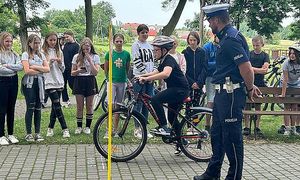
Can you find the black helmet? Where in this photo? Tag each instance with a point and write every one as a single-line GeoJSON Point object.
{"type": "Point", "coordinates": [163, 42]}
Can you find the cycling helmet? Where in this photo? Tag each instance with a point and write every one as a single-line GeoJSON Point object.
{"type": "Point", "coordinates": [295, 47]}
{"type": "Point", "coordinates": [163, 42]}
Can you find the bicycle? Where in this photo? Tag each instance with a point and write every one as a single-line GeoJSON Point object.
{"type": "Point", "coordinates": [273, 80]}
{"type": "Point", "coordinates": [100, 97]}
{"type": "Point", "coordinates": [195, 143]}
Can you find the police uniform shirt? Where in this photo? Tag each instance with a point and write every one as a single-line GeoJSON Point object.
{"type": "Point", "coordinates": [257, 61]}
{"type": "Point", "coordinates": [176, 78]}
{"type": "Point", "coordinates": [232, 51]}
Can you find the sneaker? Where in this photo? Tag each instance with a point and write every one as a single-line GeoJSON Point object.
{"type": "Point", "coordinates": [177, 151]}
{"type": "Point", "coordinates": [39, 137]}
{"type": "Point", "coordinates": [281, 130]}
{"type": "Point", "coordinates": [78, 130]}
{"type": "Point", "coordinates": [258, 132]}
{"type": "Point", "coordinates": [149, 135]}
{"type": "Point", "coordinates": [137, 133]}
{"type": "Point", "coordinates": [87, 130]}
{"type": "Point", "coordinates": [164, 131]}
{"type": "Point", "coordinates": [298, 129]}
{"type": "Point", "coordinates": [294, 132]}
{"type": "Point", "coordinates": [116, 135]}
{"type": "Point", "coordinates": [12, 139]}
{"type": "Point", "coordinates": [4, 141]}
{"type": "Point", "coordinates": [246, 131]}
{"type": "Point", "coordinates": [66, 104]}
{"type": "Point", "coordinates": [50, 132]}
{"type": "Point", "coordinates": [29, 138]}
{"type": "Point", "coordinates": [287, 132]}
{"type": "Point", "coordinates": [66, 133]}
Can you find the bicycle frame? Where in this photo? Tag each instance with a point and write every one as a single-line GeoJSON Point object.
{"type": "Point", "coordinates": [145, 98]}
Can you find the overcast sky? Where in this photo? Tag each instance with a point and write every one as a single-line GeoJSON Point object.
{"type": "Point", "coordinates": [138, 11]}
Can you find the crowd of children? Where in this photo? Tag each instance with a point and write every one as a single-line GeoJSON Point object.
{"type": "Point", "coordinates": [51, 66]}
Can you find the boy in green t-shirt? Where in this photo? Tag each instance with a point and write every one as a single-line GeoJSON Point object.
{"type": "Point", "coordinates": [120, 68]}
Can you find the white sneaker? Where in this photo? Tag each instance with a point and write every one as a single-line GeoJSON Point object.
{"type": "Point", "coordinates": [287, 132]}
{"type": "Point", "coordinates": [50, 132]}
{"type": "Point", "coordinates": [66, 104]}
{"type": "Point", "coordinates": [78, 130]}
{"type": "Point", "coordinates": [39, 137]}
{"type": "Point", "coordinates": [29, 138]}
{"type": "Point", "coordinates": [137, 133]}
{"type": "Point", "coordinates": [4, 141]}
{"type": "Point", "coordinates": [87, 130]}
{"type": "Point", "coordinates": [12, 139]}
{"type": "Point", "coordinates": [149, 135]}
{"type": "Point", "coordinates": [66, 133]}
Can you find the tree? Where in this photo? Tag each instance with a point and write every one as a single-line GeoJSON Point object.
{"type": "Point", "coordinates": [8, 19]}
{"type": "Point", "coordinates": [263, 16]}
{"type": "Point", "coordinates": [295, 26]}
{"type": "Point", "coordinates": [89, 19]}
{"type": "Point", "coordinates": [169, 28]}
{"type": "Point", "coordinates": [20, 7]}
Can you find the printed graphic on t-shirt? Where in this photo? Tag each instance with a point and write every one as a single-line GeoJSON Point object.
{"type": "Point", "coordinates": [145, 55]}
{"type": "Point", "coordinates": [118, 63]}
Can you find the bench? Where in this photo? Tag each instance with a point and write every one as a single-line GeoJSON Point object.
{"type": "Point", "coordinates": [270, 96]}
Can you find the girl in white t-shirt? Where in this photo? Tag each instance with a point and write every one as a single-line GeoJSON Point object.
{"type": "Point", "coordinates": [34, 64]}
{"type": "Point", "coordinates": [85, 66]}
{"type": "Point", "coordinates": [54, 82]}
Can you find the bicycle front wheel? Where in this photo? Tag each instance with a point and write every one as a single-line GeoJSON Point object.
{"type": "Point", "coordinates": [125, 144]}
{"type": "Point", "coordinates": [194, 140]}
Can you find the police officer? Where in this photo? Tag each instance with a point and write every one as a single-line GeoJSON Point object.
{"type": "Point", "coordinates": [233, 80]}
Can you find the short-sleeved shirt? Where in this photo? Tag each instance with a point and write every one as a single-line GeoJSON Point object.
{"type": "Point", "coordinates": [176, 78]}
{"type": "Point", "coordinates": [86, 64]}
{"type": "Point", "coordinates": [232, 51]}
{"type": "Point", "coordinates": [293, 70]}
{"type": "Point", "coordinates": [258, 60]}
{"type": "Point", "coordinates": [119, 65]}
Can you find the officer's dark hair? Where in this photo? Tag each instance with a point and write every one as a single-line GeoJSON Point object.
{"type": "Point", "coordinates": [142, 27]}
{"type": "Point", "coordinates": [224, 17]}
{"type": "Point", "coordinates": [195, 34]}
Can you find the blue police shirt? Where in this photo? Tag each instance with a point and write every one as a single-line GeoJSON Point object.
{"type": "Point", "coordinates": [232, 51]}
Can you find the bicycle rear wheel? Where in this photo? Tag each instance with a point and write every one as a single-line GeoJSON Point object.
{"type": "Point", "coordinates": [194, 140]}
{"type": "Point", "coordinates": [125, 146]}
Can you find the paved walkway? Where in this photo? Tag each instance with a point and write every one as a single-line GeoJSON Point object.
{"type": "Point", "coordinates": [262, 161]}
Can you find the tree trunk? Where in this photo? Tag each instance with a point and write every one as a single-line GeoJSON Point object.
{"type": "Point", "coordinates": [201, 18]}
{"type": "Point", "coordinates": [169, 28]}
{"type": "Point", "coordinates": [89, 19]}
{"type": "Point", "coordinates": [23, 23]}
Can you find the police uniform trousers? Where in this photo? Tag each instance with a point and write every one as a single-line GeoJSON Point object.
{"type": "Point", "coordinates": [226, 133]}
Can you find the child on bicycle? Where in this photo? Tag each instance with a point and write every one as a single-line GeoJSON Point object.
{"type": "Point", "coordinates": [177, 85]}
{"type": "Point", "coordinates": [290, 78]}
{"type": "Point", "coordinates": [260, 63]}
{"type": "Point", "coordinates": [120, 69]}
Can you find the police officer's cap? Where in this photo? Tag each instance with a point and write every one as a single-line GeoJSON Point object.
{"type": "Point", "coordinates": [215, 10]}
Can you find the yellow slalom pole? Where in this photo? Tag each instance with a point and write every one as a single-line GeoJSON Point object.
{"type": "Point", "coordinates": [109, 102]}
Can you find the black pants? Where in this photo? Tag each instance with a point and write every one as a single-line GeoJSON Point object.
{"type": "Point", "coordinates": [8, 97]}
{"type": "Point", "coordinates": [56, 111]}
{"type": "Point", "coordinates": [33, 107]}
{"type": "Point", "coordinates": [174, 97]}
{"type": "Point", "coordinates": [67, 79]}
